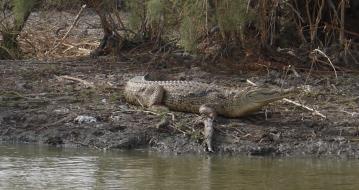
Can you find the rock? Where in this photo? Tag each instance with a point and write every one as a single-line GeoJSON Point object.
{"type": "Point", "coordinates": [85, 119]}
{"type": "Point", "coordinates": [61, 111]}
{"type": "Point", "coordinates": [115, 118]}
{"type": "Point", "coordinates": [104, 101]}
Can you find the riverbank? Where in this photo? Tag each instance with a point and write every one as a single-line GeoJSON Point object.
{"type": "Point", "coordinates": [80, 102]}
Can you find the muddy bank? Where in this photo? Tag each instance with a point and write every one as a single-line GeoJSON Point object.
{"type": "Point", "coordinates": [40, 103]}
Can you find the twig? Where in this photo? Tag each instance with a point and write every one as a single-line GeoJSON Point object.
{"type": "Point", "coordinates": [330, 62]}
{"type": "Point", "coordinates": [251, 83]}
{"type": "Point", "coordinates": [11, 54]}
{"type": "Point", "coordinates": [294, 71]}
{"type": "Point", "coordinates": [75, 46]}
{"type": "Point", "coordinates": [295, 11]}
{"type": "Point", "coordinates": [353, 57]}
{"type": "Point", "coordinates": [172, 116]}
{"type": "Point", "coordinates": [180, 130]}
{"type": "Point", "coordinates": [60, 121]}
{"type": "Point", "coordinates": [150, 112]}
{"type": "Point", "coordinates": [158, 114]}
{"type": "Point", "coordinates": [68, 32]}
{"type": "Point", "coordinates": [315, 112]}
{"type": "Point", "coordinates": [350, 113]}
{"type": "Point", "coordinates": [86, 83]}
{"type": "Point", "coordinates": [342, 22]}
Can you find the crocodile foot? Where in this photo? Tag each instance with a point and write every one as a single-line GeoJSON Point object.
{"type": "Point", "coordinates": [208, 133]}
{"type": "Point", "coordinates": [210, 115]}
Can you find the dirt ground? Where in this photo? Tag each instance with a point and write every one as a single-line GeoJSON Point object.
{"type": "Point", "coordinates": [79, 102]}
{"type": "Point", "coordinates": [39, 103]}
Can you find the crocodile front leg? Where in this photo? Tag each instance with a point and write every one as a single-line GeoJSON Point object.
{"type": "Point", "coordinates": [210, 114]}
{"type": "Point", "coordinates": [208, 133]}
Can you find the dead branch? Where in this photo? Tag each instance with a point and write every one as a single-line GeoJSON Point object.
{"type": "Point", "coordinates": [68, 32]}
{"type": "Point", "coordinates": [315, 112]}
{"type": "Point", "coordinates": [330, 62]}
{"type": "Point", "coordinates": [342, 21]}
{"type": "Point", "coordinates": [353, 114]}
{"type": "Point", "coordinates": [86, 83]}
{"type": "Point", "coordinates": [75, 46]}
{"type": "Point", "coordinates": [251, 83]}
{"type": "Point", "coordinates": [60, 121]}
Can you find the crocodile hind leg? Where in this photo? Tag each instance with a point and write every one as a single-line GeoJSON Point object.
{"type": "Point", "coordinates": [210, 115]}
{"type": "Point", "coordinates": [153, 98]}
{"type": "Point", "coordinates": [153, 95]}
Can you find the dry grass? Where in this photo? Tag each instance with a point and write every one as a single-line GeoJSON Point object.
{"type": "Point", "coordinates": [45, 30]}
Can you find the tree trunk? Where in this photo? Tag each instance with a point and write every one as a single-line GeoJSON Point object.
{"type": "Point", "coordinates": [9, 49]}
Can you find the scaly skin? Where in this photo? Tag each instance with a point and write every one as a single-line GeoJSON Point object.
{"type": "Point", "coordinates": [189, 96]}
{"type": "Point", "coordinates": [206, 99]}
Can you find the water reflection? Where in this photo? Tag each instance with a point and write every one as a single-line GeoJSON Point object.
{"type": "Point", "coordinates": [26, 167]}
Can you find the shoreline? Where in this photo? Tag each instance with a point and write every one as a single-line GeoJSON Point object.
{"type": "Point", "coordinates": [38, 106]}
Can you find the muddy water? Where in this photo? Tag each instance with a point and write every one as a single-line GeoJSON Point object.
{"type": "Point", "coordinates": [26, 167]}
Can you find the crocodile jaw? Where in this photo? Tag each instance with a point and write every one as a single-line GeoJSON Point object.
{"type": "Point", "coordinates": [234, 111]}
{"type": "Point", "coordinates": [246, 103]}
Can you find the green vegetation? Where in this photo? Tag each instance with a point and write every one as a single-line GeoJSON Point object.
{"type": "Point", "coordinates": [271, 22]}
{"type": "Point", "coordinates": [60, 4]}
{"type": "Point", "coordinates": [188, 21]}
{"type": "Point", "coordinates": [195, 25]}
{"type": "Point", "coordinates": [10, 30]}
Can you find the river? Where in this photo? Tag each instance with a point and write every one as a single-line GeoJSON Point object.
{"type": "Point", "coordinates": [42, 167]}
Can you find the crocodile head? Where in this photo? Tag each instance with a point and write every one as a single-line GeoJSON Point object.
{"type": "Point", "coordinates": [266, 95]}
{"type": "Point", "coordinates": [253, 99]}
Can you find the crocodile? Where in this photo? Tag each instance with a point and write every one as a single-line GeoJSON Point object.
{"type": "Point", "coordinates": [207, 99]}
